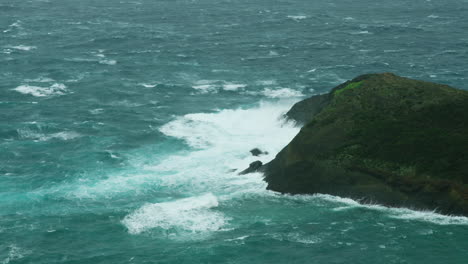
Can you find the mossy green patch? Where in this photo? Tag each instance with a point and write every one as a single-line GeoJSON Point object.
{"type": "Point", "coordinates": [350, 86]}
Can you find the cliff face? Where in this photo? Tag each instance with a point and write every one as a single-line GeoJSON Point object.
{"type": "Point", "coordinates": [381, 138]}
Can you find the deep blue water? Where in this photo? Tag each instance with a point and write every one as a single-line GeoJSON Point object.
{"type": "Point", "coordinates": [121, 123]}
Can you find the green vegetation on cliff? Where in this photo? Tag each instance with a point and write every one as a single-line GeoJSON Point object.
{"type": "Point", "coordinates": [381, 138]}
{"type": "Point", "coordinates": [348, 87]}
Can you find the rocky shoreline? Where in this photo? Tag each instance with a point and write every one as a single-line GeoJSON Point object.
{"type": "Point", "coordinates": [379, 138]}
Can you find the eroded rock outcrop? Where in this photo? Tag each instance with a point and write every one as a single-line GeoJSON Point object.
{"type": "Point", "coordinates": [255, 166]}
{"type": "Point", "coordinates": [381, 138]}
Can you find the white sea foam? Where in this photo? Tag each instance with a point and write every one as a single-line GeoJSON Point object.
{"type": "Point", "coordinates": [237, 238]}
{"type": "Point", "coordinates": [23, 47]}
{"type": "Point", "coordinates": [96, 111]}
{"type": "Point", "coordinates": [15, 253]}
{"type": "Point", "coordinates": [194, 214]}
{"type": "Point", "coordinates": [273, 53]}
{"type": "Point", "coordinates": [427, 216]}
{"type": "Point", "coordinates": [206, 86]}
{"type": "Point", "coordinates": [39, 136]}
{"type": "Point", "coordinates": [108, 62]}
{"type": "Point", "coordinates": [233, 86]}
{"type": "Point", "coordinates": [236, 129]}
{"type": "Point", "coordinates": [282, 93]}
{"type": "Point", "coordinates": [41, 80]}
{"type": "Point", "coordinates": [362, 32]}
{"type": "Point", "coordinates": [397, 213]}
{"type": "Point", "coordinates": [54, 89]}
{"type": "Point", "coordinates": [223, 140]}
{"type": "Point", "coordinates": [213, 86]}
{"type": "Point", "coordinates": [15, 25]}
{"type": "Point", "coordinates": [297, 17]}
{"type": "Point", "coordinates": [148, 85]}
{"type": "Point", "coordinates": [297, 238]}
{"type": "Point", "coordinates": [267, 82]}
{"type": "Point", "coordinates": [65, 135]}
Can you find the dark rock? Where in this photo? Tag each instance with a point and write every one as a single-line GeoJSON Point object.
{"type": "Point", "coordinates": [258, 152]}
{"type": "Point", "coordinates": [303, 111]}
{"type": "Point", "coordinates": [381, 138]}
{"type": "Point", "coordinates": [253, 167]}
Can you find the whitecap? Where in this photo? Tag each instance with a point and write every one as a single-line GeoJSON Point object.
{"type": "Point", "coordinates": [297, 17]}
{"type": "Point", "coordinates": [282, 93]}
{"type": "Point", "coordinates": [233, 86]}
{"type": "Point", "coordinates": [273, 53]}
{"type": "Point", "coordinates": [394, 212]}
{"type": "Point", "coordinates": [38, 136]}
{"type": "Point", "coordinates": [15, 253]}
{"type": "Point", "coordinates": [427, 216]}
{"type": "Point", "coordinates": [108, 62]}
{"type": "Point", "coordinates": [16, 24]}
{"type": "Point", "coordinates": [206, 86]}
{"type": "Point", "coordinates": [65, 135]}
{"type": "Point", "coordinates": [23, 47]}
{"type": "Point", "coordinates": [193, 214]}
{"type": "Point", "coordinates": [54, 89]}
{"type": "Point", "coordinates": [297, 238]}
{"type": "Point", "coordinates": [267, 82]}
{"type": "Point", "coordinates": [237, 238]}
{"type": "Point", "coordinates": [362, 32]}
{"type": "Point", "coordinates": [221, 142]}
{"type": "Point", "coordinates": [96, 111]}
{"type": "Point", "coordinates": [41, 80]}
{"type": "Point", "coordinates": [148, 85]}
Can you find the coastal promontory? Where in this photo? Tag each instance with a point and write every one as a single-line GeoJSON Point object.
{"type": "Point", "coordinates": [380, 138]}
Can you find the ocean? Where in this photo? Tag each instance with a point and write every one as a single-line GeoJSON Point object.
{"type": "Point", "coordinates": [124, 124]}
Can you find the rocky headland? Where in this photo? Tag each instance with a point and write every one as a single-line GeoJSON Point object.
{"type": "Point", "coordinates": [383, 139]}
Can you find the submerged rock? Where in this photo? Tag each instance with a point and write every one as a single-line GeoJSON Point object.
{"type": "Point", "coordinates": [381, 138]}
{"type": "Point", "coordinates": [253, 167]}
{"type": "Point", "coordinates": [258, 152]}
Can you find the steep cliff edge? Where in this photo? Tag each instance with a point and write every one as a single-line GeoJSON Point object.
{"type": "Point", "coordinates": [380, 138]}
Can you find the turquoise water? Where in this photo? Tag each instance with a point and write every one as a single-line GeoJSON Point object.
{"type": "Point", "coordinates": [121, 123]}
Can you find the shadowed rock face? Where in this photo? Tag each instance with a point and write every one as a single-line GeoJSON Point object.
{"type": "Point", "coordinates": [380, 138]}
{"type": "Point", "coordinates": [253, 167]}
{"type": "Point", "coordinates": [257, 152]}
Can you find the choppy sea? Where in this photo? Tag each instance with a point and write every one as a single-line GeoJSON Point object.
{"type": "Point", "coordinates": [122, 122]}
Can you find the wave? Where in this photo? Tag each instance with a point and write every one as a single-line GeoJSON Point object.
{"type": "Point", "coordinates": [15, 253]}
{"type": "Point", "coordinates": [218, 144]}
{"type": "Point", "coordinates": [23, 47]}
{"type": "Point", "coordinates": [233, 86]}
{"type": "Point", "coordinates": [282, 93]}
{"type": "Point", "coordinates": [205, 172]}
{"type": "Point", "coordinates": [108, 62]}
{"type": "Point", "coordinates": [392, 212]}
{"type": "Point", "coordinates": [297, 238]}
{"type": "Point", "coordinates": [38, 136]}
{"type": "Point", "coordinates": [148, 85]}
{"type": "Point", "coordinates": [297, 17]}
{"type": "Point", "coordinates": [192, 214]}
{"type": "Point", "coordinates": [37, 91]}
